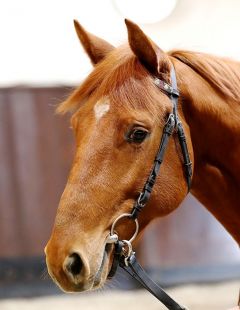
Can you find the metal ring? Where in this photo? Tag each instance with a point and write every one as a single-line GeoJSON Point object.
{"type": "Point", "coordinates": [120, 217]}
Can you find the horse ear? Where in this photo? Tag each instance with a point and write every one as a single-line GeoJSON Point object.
{"type": "Point", "coordinates": [95, 47]}
{"type": "Point", "coordinates": [149, 54]}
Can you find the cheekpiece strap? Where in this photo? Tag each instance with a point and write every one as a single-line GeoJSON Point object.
{"type": "Point", "coordinates": [172, 123]}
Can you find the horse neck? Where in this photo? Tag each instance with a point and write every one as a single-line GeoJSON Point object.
{"type": "Point", "coordinates": [214, 123]}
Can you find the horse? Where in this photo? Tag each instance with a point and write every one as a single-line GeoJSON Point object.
{"type": "Point", "coordinates": [118, 116]}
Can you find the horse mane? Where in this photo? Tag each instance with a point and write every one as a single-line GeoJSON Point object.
{"type": "Point", "coordinates": [121, 77]}
{"type": "Point", "coordinates": [221, 73]}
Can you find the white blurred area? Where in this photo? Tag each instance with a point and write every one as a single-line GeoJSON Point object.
{"type": "Point", "coordinates": [39, 45]}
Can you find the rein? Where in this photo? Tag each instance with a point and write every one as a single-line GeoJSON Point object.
{"type": "Point", "coordinates": [124, 256]}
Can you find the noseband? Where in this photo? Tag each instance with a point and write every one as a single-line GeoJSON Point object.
{"type": "Point", "coordinates": [124, 255]}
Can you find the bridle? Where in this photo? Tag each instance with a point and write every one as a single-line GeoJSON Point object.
{"type": "Point", "coordinates": [123, 254]}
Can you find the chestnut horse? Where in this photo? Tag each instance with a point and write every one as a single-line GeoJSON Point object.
{"type": "Point", "coordinates": [118, 119]}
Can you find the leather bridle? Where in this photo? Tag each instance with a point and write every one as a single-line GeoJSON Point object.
{"type": "Point", "coordinates": [123, 254]}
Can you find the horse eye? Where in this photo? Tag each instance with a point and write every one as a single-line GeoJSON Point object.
{"type": "Point", "coordinates": [137, 135]}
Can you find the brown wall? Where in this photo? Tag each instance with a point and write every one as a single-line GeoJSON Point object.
{"type": "Point", "coordinates": [36, 150]}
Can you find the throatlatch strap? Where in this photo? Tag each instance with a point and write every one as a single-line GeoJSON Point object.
{"type": "Point", "coordinates": [186, 158]}
{"type": "Point", "coordinates": [180, 131]}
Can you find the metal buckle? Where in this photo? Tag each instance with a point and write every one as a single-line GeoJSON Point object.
{"type": "Point", "coordinates": [140, 198]}
{"type": "Point", "coordinates": [168, 89]}
{"type": "Point", "coordinates": [170, 124]}
{"type": "Point", "coordinates": [127, 252]}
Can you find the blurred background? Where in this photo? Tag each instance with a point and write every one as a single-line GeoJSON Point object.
{"type": "Point", "coordinates": [41, 61]}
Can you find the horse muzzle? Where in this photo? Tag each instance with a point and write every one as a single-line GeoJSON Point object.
{"type": "Point", "coordinates": [77, 270]}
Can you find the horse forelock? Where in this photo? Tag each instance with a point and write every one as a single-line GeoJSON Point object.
{"type": "Point", "coordinates": [123, 80]}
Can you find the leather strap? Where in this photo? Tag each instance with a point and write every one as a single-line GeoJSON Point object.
{"type": "Point", "coordinates": [130, 263]}
{"type": "Point", "coordinates": [135, 270]}
{"type": "Point", "coordinates": [186, 158]}
{"type": "Point", "coordinates": [147, 189]}
{"type": "Point", "coordinates": [172, 123]}
{"type": "Point", "coordinates": [116, 259]}
{"type": "Point", "coordinates": [174, 95]}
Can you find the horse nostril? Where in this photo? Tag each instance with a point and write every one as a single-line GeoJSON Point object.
{"type": "Point", "coordinates": [75, 264]}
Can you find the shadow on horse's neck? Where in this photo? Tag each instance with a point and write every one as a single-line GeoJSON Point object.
{"type": "Point", "coordinates": [214, 123]}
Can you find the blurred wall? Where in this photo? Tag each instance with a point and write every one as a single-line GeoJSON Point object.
{"type": "Point", "coordinates": [36, 149]}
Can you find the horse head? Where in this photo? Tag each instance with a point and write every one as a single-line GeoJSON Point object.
{"type": "Point", "coordinates": [118, 119]}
